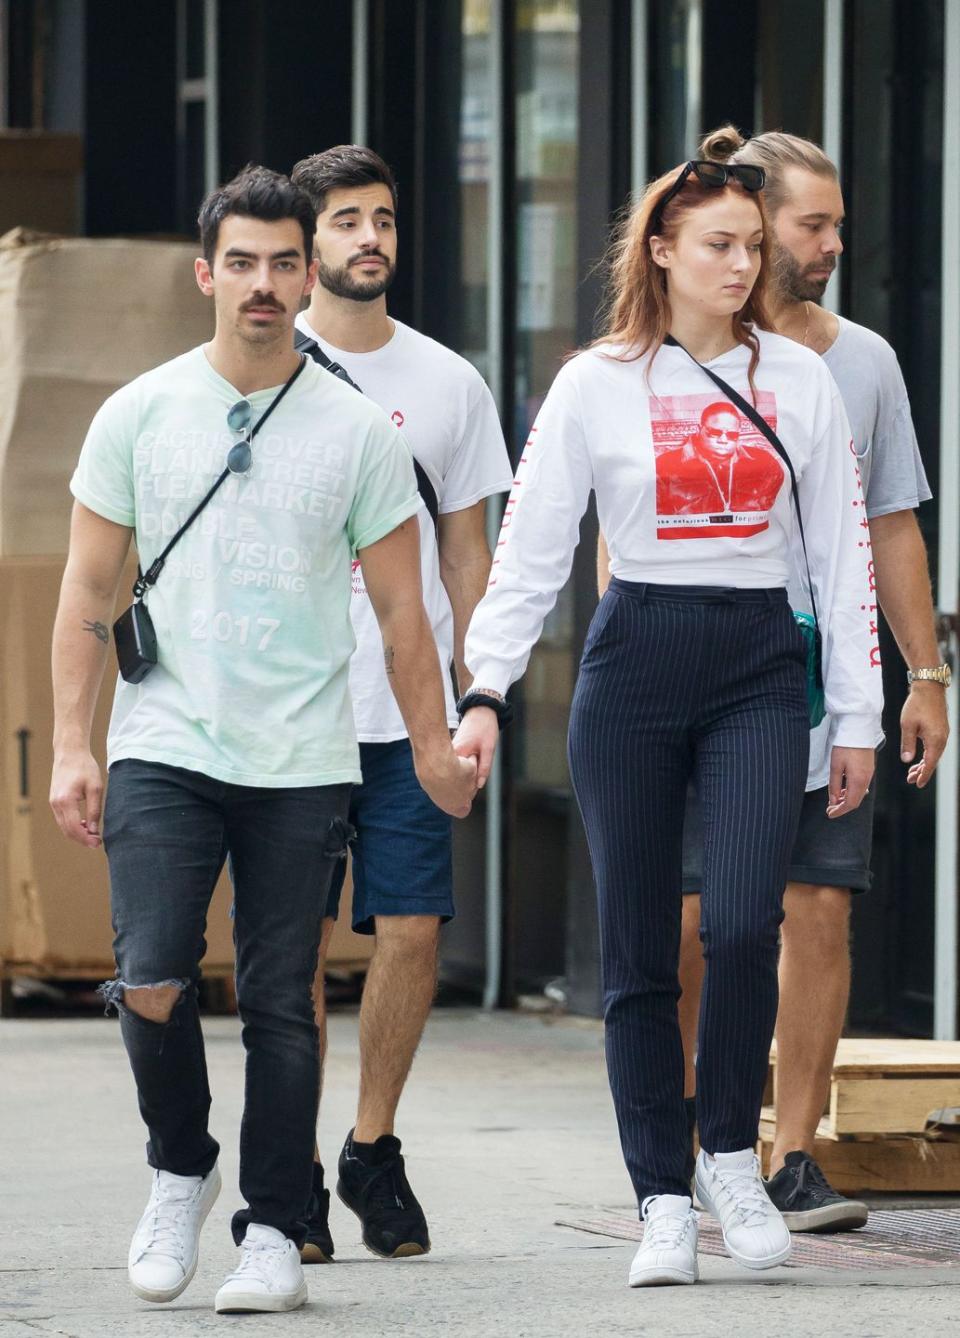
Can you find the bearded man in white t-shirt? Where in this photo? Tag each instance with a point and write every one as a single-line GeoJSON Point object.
{"type": "Point", "coordinates": [402, 856]}
{"type": "Point", "coordinates": [831, 857]}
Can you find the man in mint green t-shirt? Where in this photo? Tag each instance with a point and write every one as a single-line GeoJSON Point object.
{"type": "Point", "coordinates": [240, 739]}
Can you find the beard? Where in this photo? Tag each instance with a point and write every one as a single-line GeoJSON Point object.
{"type": "Point", "coordinates": [342, 283]}
{"type": "Point", "coordinates": [793, 279]}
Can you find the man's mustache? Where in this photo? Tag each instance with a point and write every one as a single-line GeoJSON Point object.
{"type": "Point", "coordinates": [827, 263]}
{"type": "Point", "coordinates": [368, 255]}
{"type": "Point", "coordinates": [262, 300]}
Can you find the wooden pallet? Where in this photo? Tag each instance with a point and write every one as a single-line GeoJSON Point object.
{"type": "Point", "coordinates": [888, 1086]}
{"type": "Point", "coordinates": [918, 1165]}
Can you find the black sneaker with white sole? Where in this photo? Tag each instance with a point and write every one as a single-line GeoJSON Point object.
{"type": "Point", "coordinates": [808, 1202]}
{"type": "Point", "coordinates": [318, 1246]}
{"type": "Point", "coordinates": [373, 1184]}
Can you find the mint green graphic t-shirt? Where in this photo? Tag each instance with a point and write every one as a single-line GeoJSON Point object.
{"type": "Point", "coordinates": [252, 609]}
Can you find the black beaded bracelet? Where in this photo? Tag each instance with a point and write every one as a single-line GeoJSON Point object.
{"type": "Point", "coordinates": [502, 709]}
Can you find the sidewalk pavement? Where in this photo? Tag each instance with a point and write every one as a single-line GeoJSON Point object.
{"type": "Point", "coordinates": [507, 1126]}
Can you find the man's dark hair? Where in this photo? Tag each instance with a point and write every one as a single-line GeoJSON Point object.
{"type": "Point", "coordinates": [256, 192]}
{"type": "Point", "coordinates": [345, 165]}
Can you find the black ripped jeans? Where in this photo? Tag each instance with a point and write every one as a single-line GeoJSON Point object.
{"type": "Point", "coordinates": [167, 832]}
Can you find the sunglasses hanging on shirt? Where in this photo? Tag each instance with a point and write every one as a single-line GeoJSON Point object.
{"type": "Point", "coordinates": [240, 455]}
{"type": "Point", "coordinates": [133, 632]}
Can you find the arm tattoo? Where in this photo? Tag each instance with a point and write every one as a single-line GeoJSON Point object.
{"type": "Point", "coordinates": [98, 630]}
{"type": "Point", "coordinates": [388, 659]}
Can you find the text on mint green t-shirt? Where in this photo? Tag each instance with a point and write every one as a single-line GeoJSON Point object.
{"type": "Point", "coordinates": [252, 607]}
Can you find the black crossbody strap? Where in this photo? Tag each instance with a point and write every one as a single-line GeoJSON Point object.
{"type": "Point", "coordinates": [148, 578]}
{"type": "Point", "coordinates": [304, 344]}
{"type": "Point", "coordinates": [760, 423]}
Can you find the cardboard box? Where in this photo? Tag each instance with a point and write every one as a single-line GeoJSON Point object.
{"type": "Point", "coordinates": [78, 319]}
{"type": "Point", "coordinates": [54, 894]}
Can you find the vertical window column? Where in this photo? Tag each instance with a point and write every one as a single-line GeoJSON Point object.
{"type": "Point", "coordinates": [198, 159]}
{"type": "Point", "coordinates": [639, 95]}
{"type": "Point", "coordinates": [833, 67]}
{"type": "Point", "coordinates": [360, 91]}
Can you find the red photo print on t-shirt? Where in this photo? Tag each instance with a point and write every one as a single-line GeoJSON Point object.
{"type": "Point", "coordinates": [717, 475]}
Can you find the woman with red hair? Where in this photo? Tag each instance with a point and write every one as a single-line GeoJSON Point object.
{"type": "Point", "coordinates": [694, 667]}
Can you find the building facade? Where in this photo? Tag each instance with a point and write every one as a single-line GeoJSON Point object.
{"type": "Point", "coordinates": [518, 129]}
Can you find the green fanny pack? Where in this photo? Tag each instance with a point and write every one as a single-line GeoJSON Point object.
{"type": "Point", "coordinates": [811, 636]}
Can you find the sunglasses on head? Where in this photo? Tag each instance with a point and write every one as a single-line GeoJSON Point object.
{"type": "Point", "coordinates": [708, 173]}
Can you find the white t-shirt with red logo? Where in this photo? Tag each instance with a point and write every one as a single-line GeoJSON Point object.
{"type": "Point", "coordinates": [690, 493]}
{"type": "Point", "coordinates": [448, 418]}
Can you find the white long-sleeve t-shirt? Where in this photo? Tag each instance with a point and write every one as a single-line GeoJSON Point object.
{"type": "Point", "coordinates": [689, 492]}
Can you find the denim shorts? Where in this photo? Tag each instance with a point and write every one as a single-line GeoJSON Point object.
{"type": "Point", "coordinates": [828, 852]}
{"type": "Point", "coordinates": [403, 848]}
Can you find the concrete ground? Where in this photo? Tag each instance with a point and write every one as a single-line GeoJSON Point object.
{"type": "Point", "coordinates": [507, 1126]}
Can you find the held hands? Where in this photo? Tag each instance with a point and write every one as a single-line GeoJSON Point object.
{"type": "Point", "coordinates": [851, 771]}
{"type": "Point", "coordinates": [76, 796]}
{"type": "Point", "coordinates": [924, 717]}
{"type": "Point", "coordinates": [450, 781]}
{"type": "Point", "coordinates": [477, 739]}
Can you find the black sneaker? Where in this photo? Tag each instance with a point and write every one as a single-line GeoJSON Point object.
{"type": "Point", "coordinates": [373, 1185]}
{"type": "Point", "coordinates": [808, 1202]}
{"type": "Point", "coordinates": [318, 1246]}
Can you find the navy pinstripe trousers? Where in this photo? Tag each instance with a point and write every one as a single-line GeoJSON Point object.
{"type": "Point", "coordinates": [681, 681]}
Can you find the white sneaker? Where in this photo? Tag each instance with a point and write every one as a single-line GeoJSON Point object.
{"type": "Point", "coordinates": [165, 1246]}
{"type": "Point", "coordinates": [268, 1277]}
{"type": "Point", "coordinates": [668, 1255]}
{"type": "Point", "coordinates": [729, 1186]}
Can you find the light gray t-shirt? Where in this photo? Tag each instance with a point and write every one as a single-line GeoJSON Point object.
{"type": "Point", "coordinates": [871, 386]}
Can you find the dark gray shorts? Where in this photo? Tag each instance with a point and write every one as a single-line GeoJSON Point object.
{"type": "Point", "coordinates": [828, 852]}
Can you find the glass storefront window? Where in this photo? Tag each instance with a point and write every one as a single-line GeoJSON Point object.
{"type": "Point", "coordinates": [547, 52]}
{"type": "Point", "coordinates": [893, 173]}
{"type": "Point", "coordinates": [475, 157]}
{"type": "Point", "coordinates": [674, 82]}
{"type": "Point", "coordinates": [790, 67]}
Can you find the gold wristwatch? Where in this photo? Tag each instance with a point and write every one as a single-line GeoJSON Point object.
{"type": "Point", "coordinates": [939, 675]}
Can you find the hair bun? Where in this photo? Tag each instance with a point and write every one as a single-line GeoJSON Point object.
{"type": "Point", "coordinates": [722, 144]}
